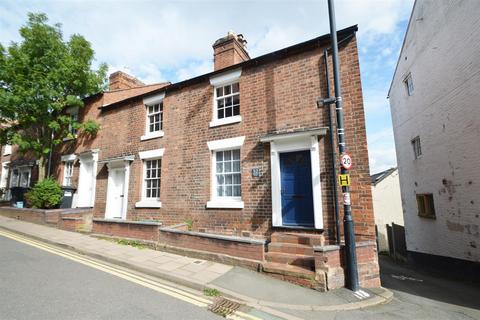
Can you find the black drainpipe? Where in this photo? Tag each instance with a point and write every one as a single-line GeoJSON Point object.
{"type": "Point", "coordinates": [334, 154]}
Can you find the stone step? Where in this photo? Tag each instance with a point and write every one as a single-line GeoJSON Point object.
{"type": "Point", "coordinates": [298, 238]}
{"type": "Point", "coordinates": [299, 260]}
{"type": "Point", "coordinates": [290, 248]}
{"type": "Point", "coordinates": [288, 270]}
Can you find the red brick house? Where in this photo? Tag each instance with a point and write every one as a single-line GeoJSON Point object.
{"type": "Point", "coordinates": [233, 164]}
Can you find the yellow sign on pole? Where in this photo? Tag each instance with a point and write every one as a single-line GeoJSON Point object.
{"type": "Point", "coordinates": [344, 180]}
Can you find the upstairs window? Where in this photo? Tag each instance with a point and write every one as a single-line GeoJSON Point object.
{"type": "Point", "coordinates": [228, 100]}
{"type": "Point", "coordinates": [417, 147]}
{"type": "Point", "coordinates": [73, 125]}
{"type": "Point", "coordinates": [409, 84]}
{"type": "Point", "coordinates": [155, 117]}
{"type": "Point", "coordinates": [7, 149]}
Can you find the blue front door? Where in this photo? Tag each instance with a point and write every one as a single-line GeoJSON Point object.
{"type": "Point", "coordinates": [297, 195]}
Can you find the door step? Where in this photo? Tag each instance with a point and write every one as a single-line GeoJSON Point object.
{"type": "Point", "coordinates": [293, 274]}
{"type": "Point", "coordinates": [299, 260]}
{"type": "Point", "coordinates": [290, 248]}
{"type": "Point", "coordinates": [298, 238]}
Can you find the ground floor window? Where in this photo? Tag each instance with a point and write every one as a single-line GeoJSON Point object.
{"type": "Point", "coordinates": [68, 174]}
{"type": "Point", "coordinates": [21, 177]}
{"type": "Point", "coordinates": [152, 179]}
{"type": "Point", "coordinates": [228, 175]}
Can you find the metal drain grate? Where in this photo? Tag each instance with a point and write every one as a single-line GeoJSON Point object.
{"type": "Point", "coordinates": [223, 307]}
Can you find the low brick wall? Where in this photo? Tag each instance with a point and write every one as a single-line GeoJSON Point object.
{"type": "Point", "coordinates": [145, 230]}
{"type": "Point", "coordinates": [76, 221]}
{"type": "Point", "coordinates": [246, 248]}
{"type": "Point", "coordinates": [41, 216]}
{"type": "Point", "coordinates": [330, 266]}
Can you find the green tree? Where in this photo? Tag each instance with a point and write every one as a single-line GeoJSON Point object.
{"type": "Point", "coordinates": [40, 77]}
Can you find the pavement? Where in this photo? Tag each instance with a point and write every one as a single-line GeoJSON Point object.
{"type": "Point", "coordinates": [270, 298]}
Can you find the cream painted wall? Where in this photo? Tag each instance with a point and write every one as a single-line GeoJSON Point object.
{"type": "Point", "coordinates": [442, 53]}
{"type": "Point", "coordinates": [387, 206]}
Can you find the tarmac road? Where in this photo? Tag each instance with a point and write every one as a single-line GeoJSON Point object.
{"type": "Point", "coordinates": [35, 284]}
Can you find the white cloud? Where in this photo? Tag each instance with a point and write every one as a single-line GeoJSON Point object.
{"type": "Point", "coordinates": [170, 41]}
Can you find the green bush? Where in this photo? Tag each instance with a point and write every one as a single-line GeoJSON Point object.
{"type": "Point", "coordinates": [46, 194]}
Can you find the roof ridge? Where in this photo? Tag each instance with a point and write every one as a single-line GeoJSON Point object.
{"type": "Point", "coordinates": [144, 86]}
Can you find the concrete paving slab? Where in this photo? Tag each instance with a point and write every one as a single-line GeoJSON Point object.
{"type": "Point", "coordinates": [219, 268]}
{"type": "Point", "coordinates": [262, 287]}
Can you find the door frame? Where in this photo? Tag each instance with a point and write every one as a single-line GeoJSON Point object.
{"type": "Point", "coordinates": [115, 165]}
{"type": "Point", "coordinates": [290, 143]}
{"type": "Point", "coordinates": [89, 156]}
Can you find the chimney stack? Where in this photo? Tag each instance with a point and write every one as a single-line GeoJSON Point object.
{"type": "Point", "coordinates": [229, 50]}
{"type": "Point", "coordinates": [121, 80]}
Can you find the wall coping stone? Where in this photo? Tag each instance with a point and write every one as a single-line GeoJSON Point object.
{"type": "Point", "coordinates": [44, 211]}
{"type": "Point", "coordinates": [334, 247]}
{"type": "Point", "coordinates": [215, 236]}
{"type": "Point", "coordinates": [145, 223]}
{"type": "Point", "coordinates": [72, 218]}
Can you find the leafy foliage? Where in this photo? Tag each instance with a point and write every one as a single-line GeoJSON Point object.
{"type": "Point", "coordinates": [46, 194]}
{"type": "Point", "coordinates": [40, 78]}
{"type": "Point", "coordinates": [90, 127]}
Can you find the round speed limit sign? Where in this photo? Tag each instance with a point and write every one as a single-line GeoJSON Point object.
{"type": "Point", "coordinates": [346, 161]}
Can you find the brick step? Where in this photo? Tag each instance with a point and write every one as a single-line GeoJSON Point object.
{"type": "Point", "coordinates": [288, 270]}
{"type": "Point", "coordinates": [290, 248]}
{"type": "Point", "coordinates": [299, 260]}
{"type": "Point", "coordinates": [298, 238]}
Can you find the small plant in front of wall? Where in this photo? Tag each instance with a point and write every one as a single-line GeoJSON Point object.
{"type": "Point", "coordinates": [189, 223]}
{"type": "Point", "coordinates": [209, 292]}
{"type": "Point", "coordinates": [134, 243]}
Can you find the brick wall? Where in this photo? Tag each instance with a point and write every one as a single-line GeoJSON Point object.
{"type": "Point", "coordinates": [276, 96]}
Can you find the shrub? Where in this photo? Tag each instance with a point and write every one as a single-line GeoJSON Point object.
{"type": "Point", "coordinates": [46, 194]}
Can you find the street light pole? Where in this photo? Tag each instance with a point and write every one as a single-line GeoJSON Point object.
{"type": "Point", "coordinates": [349, 233]}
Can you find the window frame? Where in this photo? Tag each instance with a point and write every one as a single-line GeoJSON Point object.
{"type": "Point", "coordinates": [7, 149]}
{"type": "Point", "coordinates": [65, 170]}
{"type": "Point", "coordinates": [226, 202]}
{"type": "Point", "coordinates": [417, 147]}
{"type": "Point", "coordinates": [73, 112]}
{"type": "Point", "coordinates": [145, 156]}
{"type": "Point", "coordinates": [148, 102]}
{"type": "Point", "coordinates": [222, 80]}
{"type": "Point", "coordinates": [425, 201]}
{"type": "Point", "coordinates": [20, 170]}
{"type": "Point", "coordinates": [408, 81]}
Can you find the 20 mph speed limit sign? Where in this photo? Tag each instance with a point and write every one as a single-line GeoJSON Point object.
{"type": "Point", "coordinates": [346, 161]}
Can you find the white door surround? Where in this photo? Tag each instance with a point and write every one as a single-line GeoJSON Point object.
{"type": "Point", "coordinates": [117, 188]}
{"type": "Point", "coordinates": [290, 142]}
{"type": "Point", "coordinates": [87, 178]}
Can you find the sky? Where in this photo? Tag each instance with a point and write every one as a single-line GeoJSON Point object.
{"type": "Point", "coordinates": [172, 40]}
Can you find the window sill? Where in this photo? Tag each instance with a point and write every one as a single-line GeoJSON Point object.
{"type": "Point", "coordinates": [153, 135]}
{"type": "Point", "coordinates": [225, 204]}
{"type": "Point", "coordinates": [148, 204]}
{"type": "Point", "coordinates": [224, 121]}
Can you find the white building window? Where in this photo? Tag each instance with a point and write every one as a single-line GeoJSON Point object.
{"type": "Point", "coordinates": [4, 177]}
{"type": "Point", "coordinates": [68, 173]}
{"type": "Point", "coordinates": [7, 149]}
{"type": "Point", "coordinates": [152, 179]}
{"type": "Point", "coordinates": [152, 173]}
{"type": "Point", "coordinates": [154, 117]}
{"type": "Point", "coordinates": [409, 84]}
{"type": "Point", "coordinates": [228, 100]}
{"type": "Point", "coordinates": [20, 177]}
{"type": "Point", "coordinates": [226, 173]}
{"type": "Point", "coordinates": [417, 147]}
{"type": "Point", "coordinates": [72, 126]}
{"type": "Point", "coordinates": [226, 106]}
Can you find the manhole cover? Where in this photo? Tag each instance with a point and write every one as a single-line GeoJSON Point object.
{"type": "Point", "coordinates": [223, 307]}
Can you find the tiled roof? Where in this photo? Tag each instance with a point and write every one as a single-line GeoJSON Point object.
{"type": "Point", "coordinates": [377, 177]}
{"type": "Point", "coordinates": [115, 96]}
